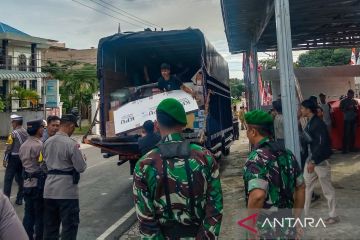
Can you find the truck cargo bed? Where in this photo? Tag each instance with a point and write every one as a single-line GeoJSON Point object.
{"type": "Point", "coordinates": [123, 146]}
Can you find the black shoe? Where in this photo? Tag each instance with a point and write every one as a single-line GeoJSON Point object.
{"type": "Point", "coordinates": [19, 202]}
{"type": "Point", "coordinates": [344, 152]}
{"type": "Point", "coordinates": [315, 197]}
{"type": "Point", "coordinates": [354, 150]}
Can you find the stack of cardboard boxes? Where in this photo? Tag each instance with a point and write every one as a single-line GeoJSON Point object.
{"type": "Point", "coordinates": [110, 125]}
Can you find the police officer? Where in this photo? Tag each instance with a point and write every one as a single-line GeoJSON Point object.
{"type": "Point", "coordinates": [34, 179]}
{"type": "Point", "coordinates": [64, 162]}
{"type": "Point", "coordinates": [177, 189]}
{"type": "Point", "coordinates": [12, 161]}
{"type": "Point", "coordinates": [10, 225]}
{"type": "Point", "coordinates": [272, 177]}
{"type": "Point", "coordinates": [53, 125]}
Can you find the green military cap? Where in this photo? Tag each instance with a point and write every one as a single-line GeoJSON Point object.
{"type": "Point", "coordinates": [174, 109]}
{"type": "Point", "coordinates": [258, 117]}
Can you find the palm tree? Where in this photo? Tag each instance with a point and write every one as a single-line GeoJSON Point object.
{"type": "Point", "coordinates": [80, 85]}
{"type": "Point", "coordinates": [78, 82]}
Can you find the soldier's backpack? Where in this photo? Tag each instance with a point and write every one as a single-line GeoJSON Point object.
{"type": "Point", "coordinates": [174, 228]}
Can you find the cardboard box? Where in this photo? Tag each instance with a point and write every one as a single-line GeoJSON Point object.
{"type": "Point", "coordinates": [111, 116]}
{"type": "Point", "coordinates": [133, 114]}
{"type": "Point", "coordinates": [110, 129]}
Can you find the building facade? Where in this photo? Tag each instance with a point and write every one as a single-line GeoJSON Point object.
{"type": "Point", "coordinates": [20, 69]}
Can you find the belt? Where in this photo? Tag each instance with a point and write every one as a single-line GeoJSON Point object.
{"type": "Point", "coordinates": [75, 175]}
{"type": "Point", "coordinates": [28, 175]}
{"type": "Point", "coordinates": [60, 172]}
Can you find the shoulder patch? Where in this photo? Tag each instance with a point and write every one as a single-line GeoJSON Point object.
{"type": "Point", "coordinates": [9, 140]}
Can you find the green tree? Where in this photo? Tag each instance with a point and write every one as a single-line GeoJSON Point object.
{"type": "Point", "coordinates": [25, 95]}
{"type": "Point", "coordinates": [237, 87]}
{"type": "Point", "coordinates": [2, 105]}
{"type": "Point", "coordinates": [78, 82]}
{"type": "Point", "coordinates": [269, 63]}
{"type": "Point", "coordinates": [325, 57]}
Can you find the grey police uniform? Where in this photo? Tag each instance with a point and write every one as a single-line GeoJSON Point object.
{"type": "Point", "coordinates": [62, 155]}
{"type": "Point", "coordinates": [34, 179]}
{"type": "Point", "coordinates": [14, 167]}
{"type": "Point", "coordinates": [29, 154]}
{"type": "Point", "coordinates": [10, 225]}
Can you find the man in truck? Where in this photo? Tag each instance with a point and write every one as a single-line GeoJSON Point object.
{"type": "Point", "coordinates": [168, 82]}
{"type": "Point", "coordinates": [177, 190]}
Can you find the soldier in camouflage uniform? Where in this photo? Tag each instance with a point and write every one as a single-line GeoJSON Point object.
{"type": "Point", "coordinates": [177, 189]}
{"type": "Point", "coordinates": [272, 177]}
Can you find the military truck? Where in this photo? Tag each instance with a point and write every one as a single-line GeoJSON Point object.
{"type": "Point", "coordinates": [128, 67]}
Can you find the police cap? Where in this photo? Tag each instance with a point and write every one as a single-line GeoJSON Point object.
{"type": "Point", "coordinates": [34, 125]}
{"type": "Point", "coordinates": [69, 118]}
{"type": "Point", "coordinates": [15, 117]}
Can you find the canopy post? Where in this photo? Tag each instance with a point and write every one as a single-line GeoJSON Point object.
{"type": "Point", "coordinates": [252, 76]}
{"type": "Point", "coordinates": [287, 77]}
{"type": "Point", "coordinates": [248, 90]}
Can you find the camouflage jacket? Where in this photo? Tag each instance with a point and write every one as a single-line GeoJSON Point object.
{"type": "Point", "coordinates": [277, 172]}
{"type": "Point", "coordinates": [150, 198]}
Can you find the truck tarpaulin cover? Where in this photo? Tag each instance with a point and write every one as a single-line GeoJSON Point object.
{"type": "Point", "coordinates": [169, 46]}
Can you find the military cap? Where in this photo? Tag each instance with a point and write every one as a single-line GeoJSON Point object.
{"type": "Point", "coordinates": [165, 66]}
{"type": "Point", "coordinates": [174, 109]}
{"type": "Point", "coordinates": [69, 118]}
{"type": "Point", "coordinates": [34, 125]}
{"type": "Point", "coordinates": [258, 117]}
{"type": "Point", "coordinates": [15, 117]}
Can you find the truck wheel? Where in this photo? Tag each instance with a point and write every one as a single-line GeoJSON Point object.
{"type": "Point", "coordinates": [227, 152]}
{"type": "Point", "coordinates": [224, 151]}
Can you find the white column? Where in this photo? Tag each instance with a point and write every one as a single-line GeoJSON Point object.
{"type": "Point", "coordinates": [287, 77]}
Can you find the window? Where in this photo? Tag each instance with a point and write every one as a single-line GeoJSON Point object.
{"type": "Point", "coordinates": [22, 84]}
{"type": "Point", "coordinates": [22, 63]}
{"type": "Point", "coordinates": [33, 85]}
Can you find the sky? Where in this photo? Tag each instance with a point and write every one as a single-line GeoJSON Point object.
{"type": "Point", "coordinates": [81, 27]}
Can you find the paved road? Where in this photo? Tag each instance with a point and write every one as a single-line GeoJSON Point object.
{"type": "Point", "coordinates": [105, 194]}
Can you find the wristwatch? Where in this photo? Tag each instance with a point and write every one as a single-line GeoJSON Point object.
{"type": "Point", "coordinates": [312, 161]}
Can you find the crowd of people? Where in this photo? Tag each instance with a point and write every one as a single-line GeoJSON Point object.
{"type": "Point", "coordinates": [274, 179]}
{"type": "Point", "coordinates": [176, 188]}
{"type": "Point", "coordinates": [46, 164]}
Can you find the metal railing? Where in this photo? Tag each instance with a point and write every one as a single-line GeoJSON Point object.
{"type": "Point", "coordinates": [12, 63]}
{"type": "Point", "coordinates": [22, 104]}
